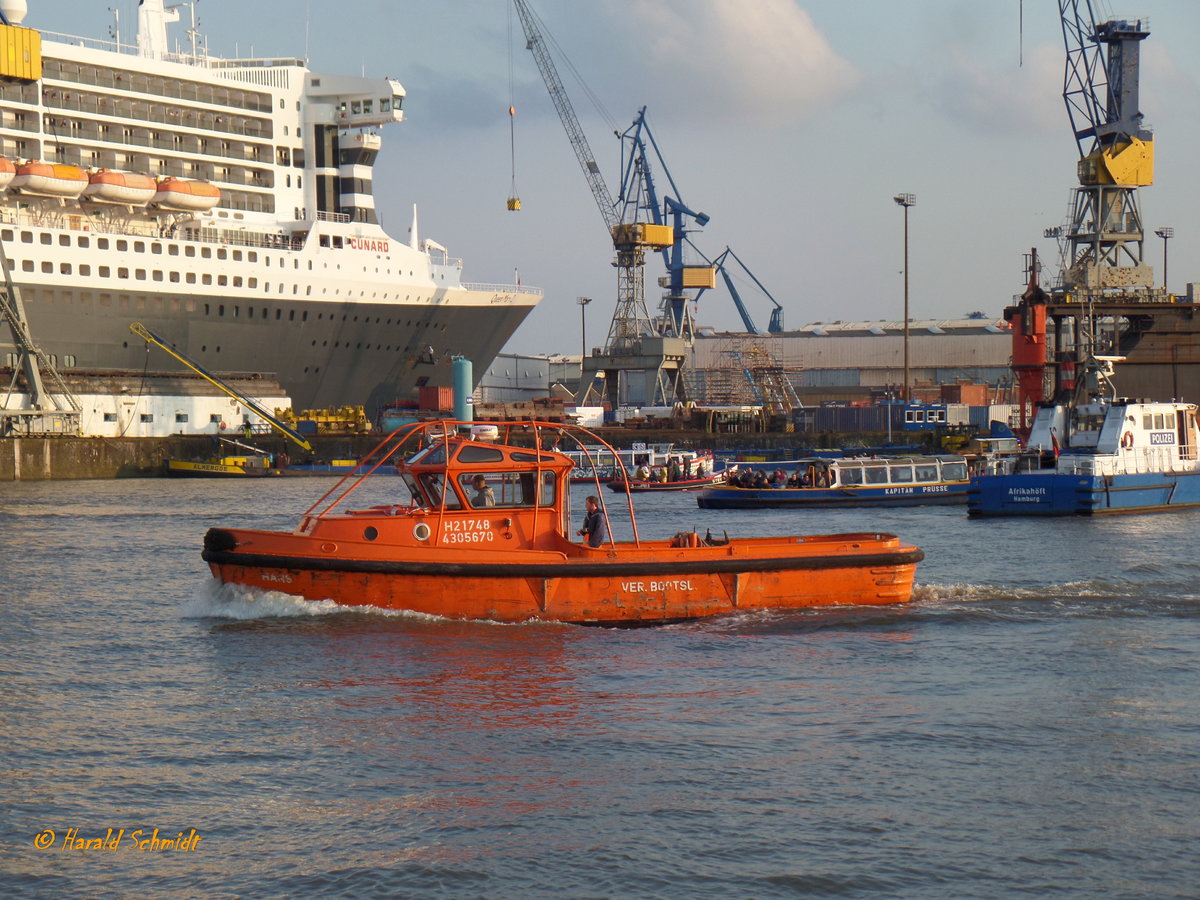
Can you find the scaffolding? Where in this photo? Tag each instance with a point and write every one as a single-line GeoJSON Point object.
{"type": "Point", "coordinates": [38, 411]}
{"type": "Point", "coordinates": [753, 376]}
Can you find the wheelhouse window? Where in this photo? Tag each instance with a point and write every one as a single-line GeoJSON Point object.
{"type": "Point", "coordinates": [506, 489]}
{"type": "Point", "coordinates": [433, 488]}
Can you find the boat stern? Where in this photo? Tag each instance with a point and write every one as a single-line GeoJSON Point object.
{"type": "Point", "coordinates": [1032, 494]}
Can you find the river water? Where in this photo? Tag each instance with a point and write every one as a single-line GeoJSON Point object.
{"type": "Point", "coordinates": [1028, 727]}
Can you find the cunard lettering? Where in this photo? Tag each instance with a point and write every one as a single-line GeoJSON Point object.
{"type": "Point", "coordinates": [374, 245]}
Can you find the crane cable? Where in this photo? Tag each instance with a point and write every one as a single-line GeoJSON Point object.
{"type": "Point", "coordinates": [514, 202]}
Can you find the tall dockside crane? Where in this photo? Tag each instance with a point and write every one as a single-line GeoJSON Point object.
{"type": "Point", "coordinates": [643, 357]}
{"type": "Point", "coordinates": [1105, 238]}
{"type": "Point", "coordinates": [1102, 244]}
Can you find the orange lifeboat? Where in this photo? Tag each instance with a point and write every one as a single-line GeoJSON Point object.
{"type": "Point", "coordinates": [488, 534]}
{"type": "Point", "coordinates": [50, 180]}
{"type": "Point", "coordinates": [8, 171]}
{"type": "Point", "coordinates": [127, 188]}
{"type": "Point", "coordinates": [186, 196]}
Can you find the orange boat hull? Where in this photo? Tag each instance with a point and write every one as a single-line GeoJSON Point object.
{"type": "Point", "coordinates": [652, 583]}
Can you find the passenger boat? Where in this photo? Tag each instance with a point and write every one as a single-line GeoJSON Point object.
{"type": "Point", "coordinates": [606, 463]}
{"type": "Point", "coordinates": [1101, 455]}
{"type": "Point", "coordinates": [822, 482]}
{"type": "Point", "coordinates": [488, 534]}
{"type": "Point", "coordinates": [640, 486]}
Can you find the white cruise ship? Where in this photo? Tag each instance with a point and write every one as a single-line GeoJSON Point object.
{"type": "Point", "coordinates": [227, 205]}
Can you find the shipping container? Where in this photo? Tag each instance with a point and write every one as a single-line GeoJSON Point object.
{"type": "Point", "coordinates": [699, 277]}
{"type": "Point", "coordinates": [20, 53]}
{"type": "Point", "coordinates": [436, 398]}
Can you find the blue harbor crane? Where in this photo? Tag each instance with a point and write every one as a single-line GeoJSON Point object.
{"type": "Point", "coordinates": [641, 218]}
{"type": "Point", "coordinates": [639, 193]}
{"type": "Point", "coordinates": [775, 326]}
{"type": "Point", "coordinates": [639, 351]}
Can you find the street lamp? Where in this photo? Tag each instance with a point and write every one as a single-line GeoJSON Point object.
{"type": "Point", "coordinates": [583, 302]}
{"type": "Point", "coordinates": [1166, 233]}
{"type": "Point", "coordinates": [906, 200]}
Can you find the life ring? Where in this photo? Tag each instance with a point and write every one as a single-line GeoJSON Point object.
{"type": "Point", "coordinates": [1127, 440]}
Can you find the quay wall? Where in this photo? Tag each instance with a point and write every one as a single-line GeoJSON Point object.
{"type": "Point", "coordinates": [66, 458]}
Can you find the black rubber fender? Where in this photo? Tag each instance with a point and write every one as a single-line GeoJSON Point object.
{"type": "Point", "coordinates": [220, 540]}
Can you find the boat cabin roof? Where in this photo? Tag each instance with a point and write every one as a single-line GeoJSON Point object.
{"type": "Point", "coordinates": [456, 453]}
{"type": "Point", "coordinates": [845, 461]}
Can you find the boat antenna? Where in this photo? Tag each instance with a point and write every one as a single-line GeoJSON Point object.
{"type": "Point", "coordinates": [307, 24]}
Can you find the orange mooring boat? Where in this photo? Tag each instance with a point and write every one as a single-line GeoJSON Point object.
{"type": "Point", "coordinates": [507, 552]}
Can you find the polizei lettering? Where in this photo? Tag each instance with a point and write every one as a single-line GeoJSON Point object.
{"type": "Point", "coordinates": [651, 587]}
{"type": "Point", "coordinates": [375, 245]}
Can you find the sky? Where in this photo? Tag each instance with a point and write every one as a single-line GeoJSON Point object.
{"type": "Point", "coordinates": [791, 123]}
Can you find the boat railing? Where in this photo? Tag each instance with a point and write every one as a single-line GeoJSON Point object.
{"type": "Point", "coordinates": [418, 435]}
{"type": "Point", "coordinates": [1132, 461]}
{"type": "Point", "coordinates": [497, 288]}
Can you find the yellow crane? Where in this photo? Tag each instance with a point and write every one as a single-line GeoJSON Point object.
{"type": "Point", "coordinates": [151, 338]}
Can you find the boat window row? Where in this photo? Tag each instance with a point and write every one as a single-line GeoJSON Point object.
{"type": "Point", "coordinates": [905, 473]}
{"type": "Point", "coordinates": [1158, 421]}
{"type": "Point", "coordinates": [66, 361]}
{"type": "Point", "coordinates": [123, 272]}
{"type": "Point", "coordinates": [119, 107]}
{"type": "Point", "coordinates": [483, 490]}
{"type": "Point", "coordinates": [146, 83]}
{"type": "Point", "coordinates": [123, 245]}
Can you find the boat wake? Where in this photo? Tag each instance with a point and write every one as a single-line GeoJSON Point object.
{"type": "Point", "coordinates": [1124, 598]}
{"type": "Point", "coordinates": [214, 600]}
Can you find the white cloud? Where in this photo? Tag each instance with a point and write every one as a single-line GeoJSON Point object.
{"type": "Point", "coordinates": [1002, 98]}
{"type": "Point", "coordinates": [763, 62]}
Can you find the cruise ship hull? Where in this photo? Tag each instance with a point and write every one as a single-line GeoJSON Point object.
{"type": "Point", "coordinates": [324, 354]}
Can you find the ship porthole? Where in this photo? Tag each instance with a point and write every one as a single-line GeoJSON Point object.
{"type": "Point", "coordinates": [421, 532]}
{"type": "Point", "coordinates": [370, 532]}
{"type": "Point", "coordinates": [328, 548]}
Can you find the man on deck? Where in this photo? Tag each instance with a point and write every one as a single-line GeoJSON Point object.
{"type": "Point", "coordinates": [595, 526]}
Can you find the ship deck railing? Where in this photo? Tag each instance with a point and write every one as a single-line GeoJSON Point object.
{"type": "Point", "coordinates": [1132, 461]}
{"type": "Point", "coordinates": [200, 57]}
{"type": "Point", "coordinates": [501, 288]}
